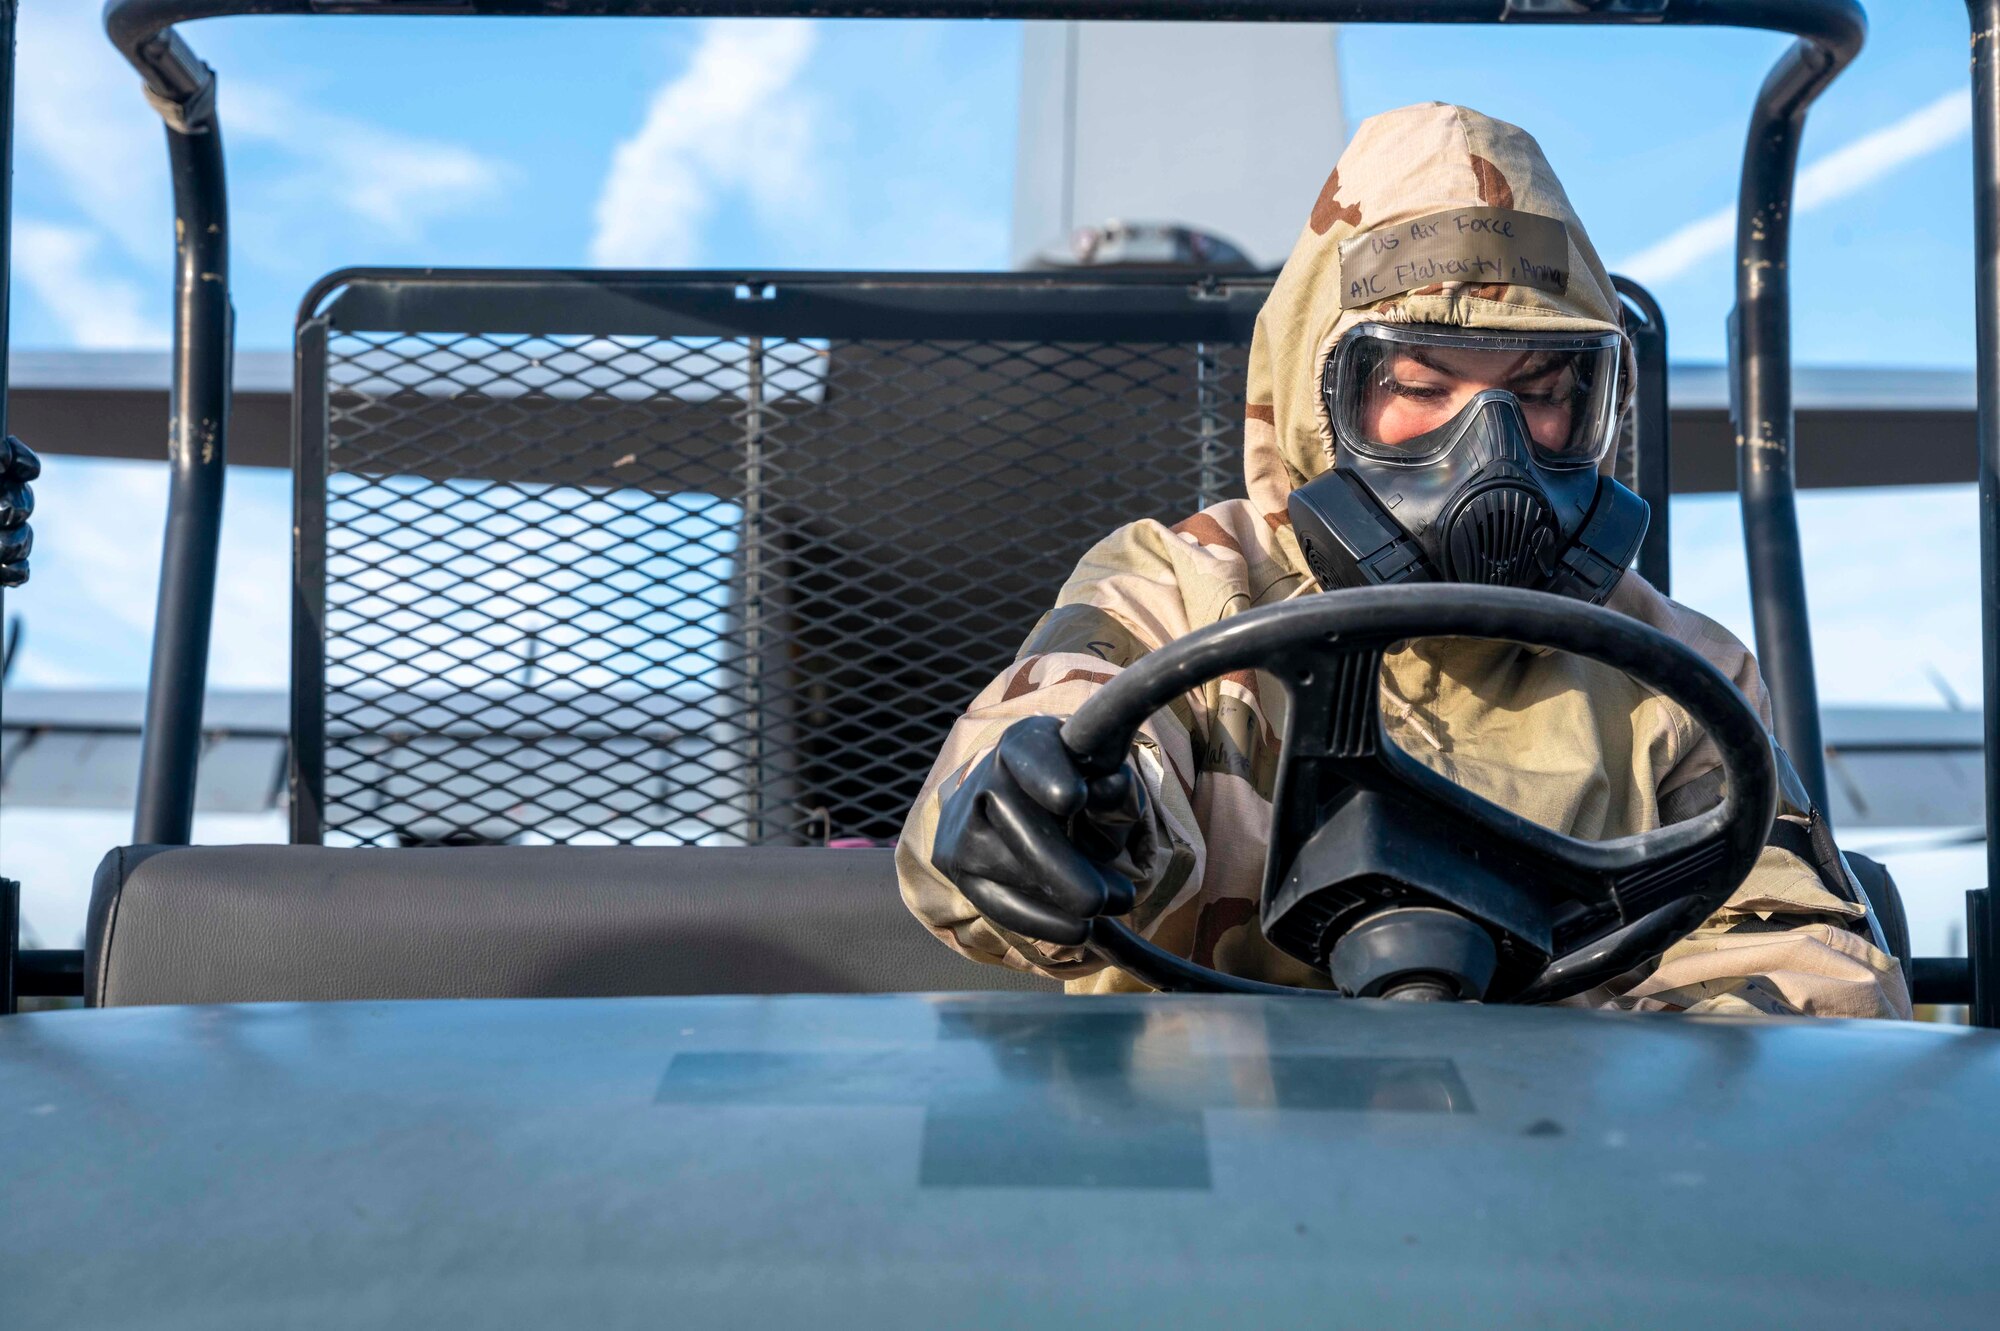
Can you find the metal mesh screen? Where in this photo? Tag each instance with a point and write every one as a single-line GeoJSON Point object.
{"type": "Point", "coordinates": [707, 589]}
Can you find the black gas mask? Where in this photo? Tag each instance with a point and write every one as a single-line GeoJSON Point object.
{"type": "Point", "coordinates": [1501, 487]}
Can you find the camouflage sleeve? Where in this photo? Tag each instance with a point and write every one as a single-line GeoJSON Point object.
{"type": "Point", "coordinates": [1790, 939]}
{"type": "Point", "coordinates": [1782, 943]}
{"type": "Point", "coordinates": [1793, 939]}
{"type": "Point", "coordinates": [1119, 605]}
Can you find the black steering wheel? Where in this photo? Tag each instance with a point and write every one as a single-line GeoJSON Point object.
{"type": "Point", "coordinates": [1363, 831]}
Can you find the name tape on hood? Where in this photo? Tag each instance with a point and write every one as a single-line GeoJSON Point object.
{"type": "Point", "coordinates": [1477, 245]}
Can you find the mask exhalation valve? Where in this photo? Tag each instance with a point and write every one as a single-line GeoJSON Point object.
{"type": "Point", "coordinates": [1502, 536]}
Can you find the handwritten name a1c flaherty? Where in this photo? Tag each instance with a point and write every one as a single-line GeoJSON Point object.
{"type": "Point", "coordinates": [1478, 268]}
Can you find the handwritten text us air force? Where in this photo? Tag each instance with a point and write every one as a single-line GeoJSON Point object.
{"type": "Point", "coordinates": [1483, 245]}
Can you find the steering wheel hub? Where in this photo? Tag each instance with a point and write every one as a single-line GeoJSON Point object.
{"type": "Point", "coordinates": [1414, 953]}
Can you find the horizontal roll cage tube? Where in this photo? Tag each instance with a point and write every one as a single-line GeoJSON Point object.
{"type": "Point", "coordinates": [1830, 33]}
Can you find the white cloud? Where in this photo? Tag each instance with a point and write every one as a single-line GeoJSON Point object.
{"type": "Point", "coordinates": [1873, 156]}
{"type": "Point", "coordinates": [64, 268]}
{"type": "Point", "coordinates": [81, 112]}
{"type": "Point", "coordinates": [1859, 560]}
{"type": "Point", "coordinates": [1667, 259]}
{"type": "Point", "coordinates": [734, 121]}
{"type": "Point", "coordinates": [393, 180]}
{"type": "Point", "coordinates": [1833, 177]}
{"type": "Point", "coordinates": [88, 610]}
{"type": "Point", "coordinates": [84, 120]}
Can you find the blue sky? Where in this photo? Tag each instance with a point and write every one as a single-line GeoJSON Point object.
{"type": "Point", "coordinates": [866, 144]}
{"type": "Point", "coordinates": [1646, 129]}
{"type": "Point", "coordinates": [875, 144]}
{"type": "Point", "coordinates": [368, 141]}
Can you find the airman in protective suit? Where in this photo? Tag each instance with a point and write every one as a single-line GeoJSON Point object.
{"type": "Point", "coordinates": [1435, 387]}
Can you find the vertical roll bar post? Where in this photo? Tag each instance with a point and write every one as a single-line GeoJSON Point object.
{"type": "Point", "coordinates": [1982, 937]}
{"type": "Point", "coordinates": [10, 891]}
{"type": "Point", "coordinates": [1761, 404]}
{"type": "Point", "coordinates": [197, 444]}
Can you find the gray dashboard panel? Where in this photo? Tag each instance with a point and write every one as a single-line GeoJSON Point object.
{"type": "Point", "coordinates": [990, 1160]}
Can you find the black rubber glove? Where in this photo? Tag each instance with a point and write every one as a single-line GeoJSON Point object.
{"type": "Point", "coordinates": [1030, 840]}
{"type": "Point", "coordinates": [18, 466]}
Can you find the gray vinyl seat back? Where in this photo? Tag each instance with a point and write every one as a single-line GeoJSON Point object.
{"type": "Point", "coordinates": [241, 924]}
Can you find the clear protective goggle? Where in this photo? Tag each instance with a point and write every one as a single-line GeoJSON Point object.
{"type": "Point", "coordinates": [1395, 391]}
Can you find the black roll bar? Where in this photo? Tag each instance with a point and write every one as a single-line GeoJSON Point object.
{"type": "Point", "coordinates": [197, 454]}
{"type": "Point", "coordinates": [1652, 432]}
{"type": "Point", "coordinates": [41, 972]}
{"type": "Point", "coordinates": [9, 12]}
{"type": "Point", "coordinates": [182, 88]}
{"type": "Point", "coordinates": [1760, 362]}
{"type": "Point", "coordinates": [10, 891]}
{"type": "Point", "coordinates": [1982, 933]}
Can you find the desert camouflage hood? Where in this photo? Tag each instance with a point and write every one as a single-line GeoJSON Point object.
{"type": "Point", "coordinates": [1406, 177]}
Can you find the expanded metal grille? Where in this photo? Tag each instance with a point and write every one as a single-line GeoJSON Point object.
{"type": "Point", "coordinates": [699, 588]}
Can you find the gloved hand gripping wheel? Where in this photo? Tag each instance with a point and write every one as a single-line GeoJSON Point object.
{"type": "Point", "coordinates": [1397, 881]}
{"type": "Point", "coordinates": [18, 466]}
